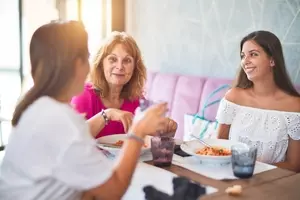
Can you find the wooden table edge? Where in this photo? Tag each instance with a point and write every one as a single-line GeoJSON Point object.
{"type": "Point", "coordinates": [221, 185]}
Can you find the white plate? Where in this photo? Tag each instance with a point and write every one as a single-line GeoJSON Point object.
{"type": "Point", "coordinates": [111, 139]}
{"type": "Point", "coordinates": [190, 147]}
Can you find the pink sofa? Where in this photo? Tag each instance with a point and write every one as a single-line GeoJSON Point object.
{"type": "Point", "coordinates": [185, 94]}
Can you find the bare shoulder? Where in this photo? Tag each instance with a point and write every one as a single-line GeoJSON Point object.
{"type": "Point", "coordinates": [235, 95]}
{"type": "Point", "coordinates": [296, 103]}
{"type": "Point", "coordinates": [291, 103]}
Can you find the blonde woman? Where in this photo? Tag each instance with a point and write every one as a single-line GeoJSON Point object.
{"type": "Point", "coordinates": [117, 81]}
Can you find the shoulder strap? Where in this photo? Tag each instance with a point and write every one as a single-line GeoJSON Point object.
{"type": "Point", "coordinates": [207, 104]}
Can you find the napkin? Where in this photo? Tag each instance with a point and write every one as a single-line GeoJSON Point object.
{"type": "Point", "coordinates": [183, 189]}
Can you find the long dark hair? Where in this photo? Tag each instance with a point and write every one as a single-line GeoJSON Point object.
{"type": "Point", "coordinates": [272, 46]}
{"type": "Point", "coordinates": [54, 48]}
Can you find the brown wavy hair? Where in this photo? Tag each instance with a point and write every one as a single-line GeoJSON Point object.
{"type": "Point", "coordinates": [270, 43]}
{"type": "Point", "coordinates": [135, 87]}
{"type": "Point", "coordinates": [54, 49]}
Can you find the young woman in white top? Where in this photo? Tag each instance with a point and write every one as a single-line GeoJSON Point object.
{"type": "Point", "coordinates": [51, 153]}
{"type": "Point", "coordinates": [263, 107]}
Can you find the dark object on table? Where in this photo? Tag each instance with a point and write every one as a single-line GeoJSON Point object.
{"type": "Point", "coordinates": [178, 151]}
{"type": "Point", "coordinates": [184, 189]}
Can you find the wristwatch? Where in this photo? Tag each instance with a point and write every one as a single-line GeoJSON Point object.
{"type": "Point", "coordinates": [104, 116]}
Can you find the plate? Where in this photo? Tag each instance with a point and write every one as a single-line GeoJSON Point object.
{"type": "Point", "coordinates": [190, 147]}
{"type": "Point", "coordinates": [112, 139]}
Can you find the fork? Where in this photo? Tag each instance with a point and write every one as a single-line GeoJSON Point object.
{"type": "Point", "coordinates": [200, 140]}
{"type": "Point", "coordinates": [108, 154]}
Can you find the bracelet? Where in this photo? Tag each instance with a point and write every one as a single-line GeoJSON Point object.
{"type": "Point", "coordinates": [104, 116]}
{"type": "Point", "coordinates": [135, 137]}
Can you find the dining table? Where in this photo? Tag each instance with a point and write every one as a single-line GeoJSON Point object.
{"type": "Point", "coordinates": [267, 182]}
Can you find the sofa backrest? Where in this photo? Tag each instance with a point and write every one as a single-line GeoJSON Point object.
{"type": "Point", "coordinates": [185, 94]}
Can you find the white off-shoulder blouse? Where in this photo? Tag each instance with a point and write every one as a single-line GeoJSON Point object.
{"type": "Point", "coordinates": [267, 130]}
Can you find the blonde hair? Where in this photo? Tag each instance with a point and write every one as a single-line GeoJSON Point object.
{"type": "Point", "coordinates": [134, 88]}
{"type": "Point", "coordinates": [54, 48]}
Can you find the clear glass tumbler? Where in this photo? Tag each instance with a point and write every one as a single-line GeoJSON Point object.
{"type": "Point", "coordinates": [243, 160]}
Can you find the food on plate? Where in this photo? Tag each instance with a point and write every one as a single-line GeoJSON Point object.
{"type": "Point", "coordinates": [234, 190]}
{"type": "Point", "coordinates": [119, 143]}
{"type": "Point", "coordinates": [214, 151]}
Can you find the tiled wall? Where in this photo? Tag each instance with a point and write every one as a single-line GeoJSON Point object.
{"type": "Point", "coordinates": [201, 37]}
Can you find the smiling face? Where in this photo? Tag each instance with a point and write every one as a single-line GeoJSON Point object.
{"type": "Point", "coordinates": [118, 66]}
{"type": "Point", "coordinates": [255, 62]}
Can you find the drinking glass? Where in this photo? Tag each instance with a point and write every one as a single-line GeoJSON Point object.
{"type": "Point", "coordinates": [243, 160]}
{"type": "Point", "coordinates": [162, 149]}
{"type": "Point", "coordinates": [146, 103]}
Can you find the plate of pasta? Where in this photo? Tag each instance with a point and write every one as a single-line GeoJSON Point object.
{"type": "Point", "coordinates": [218, 153]}
{"type": "Point", "coordinates": [114, 143]}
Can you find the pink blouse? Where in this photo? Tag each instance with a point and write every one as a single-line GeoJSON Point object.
{"type": "Point", "coordinates": [90, 104]}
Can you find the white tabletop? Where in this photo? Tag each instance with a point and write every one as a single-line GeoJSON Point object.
{"type": "Point", "coordinates": [214, 171]}
{"type": "Point", "coordinates": [159, 178]}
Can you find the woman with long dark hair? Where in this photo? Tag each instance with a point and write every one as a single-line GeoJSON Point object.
{"type": "Point", "coordinates": [263, 108]}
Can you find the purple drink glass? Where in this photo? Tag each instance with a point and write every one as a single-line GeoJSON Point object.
{"type": "Point", "coordinates": [162, 149]}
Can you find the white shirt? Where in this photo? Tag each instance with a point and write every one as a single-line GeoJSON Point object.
{"type": "Point", "coordinates": [51, 155]}
{"type": "Point", "coordinates": [268, 130]}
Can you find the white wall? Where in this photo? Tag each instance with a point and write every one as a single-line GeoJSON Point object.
{"type": "Point", "coordinates": [201, 37]}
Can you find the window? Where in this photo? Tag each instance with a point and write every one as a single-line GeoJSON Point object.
{"type": "Point", "coordinates": [9, 40]}
{"type": "Point", "coordinates": [95, 15]}
{"type": "Point", "coordinates": [34, 13]}
{"type": "Point", "coordinates": [10, 82]}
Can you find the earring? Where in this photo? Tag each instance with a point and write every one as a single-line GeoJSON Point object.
{"type": "Point", "coordinates": [272, 63]}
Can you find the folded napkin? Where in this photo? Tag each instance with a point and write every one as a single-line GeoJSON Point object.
{"type": "Point", "coordinates": [183, 189]}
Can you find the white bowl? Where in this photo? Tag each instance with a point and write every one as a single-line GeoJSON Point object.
{"type": "Point", "coordinates": [112, 139]}
{"type": "Point", "coordinates": [190, 147]}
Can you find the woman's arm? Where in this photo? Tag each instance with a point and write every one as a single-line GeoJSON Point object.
{"type": "Point", "coordinates": [120, 179]}
{"type": "Point", "coordinates": [223, 131]}
{"type": "Point", "coordinates": [292, 161]}
{"type": "Point", "coordinates": [97, 122]}
{"type": "Point", "coordinates": [226, 112]}
{"type": "Point", "coordinates": [122, 174]}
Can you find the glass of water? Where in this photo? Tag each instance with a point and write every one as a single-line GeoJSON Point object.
{"type": "Point", "coordinates": [243, 160]}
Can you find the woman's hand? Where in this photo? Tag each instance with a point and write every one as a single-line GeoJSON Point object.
{"type": "Point", "coordinates": [119, 115]}
{"type": "Point", "coordinates": [170, 128]}
{"type": "Point", "coordinates": [152, 121]}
